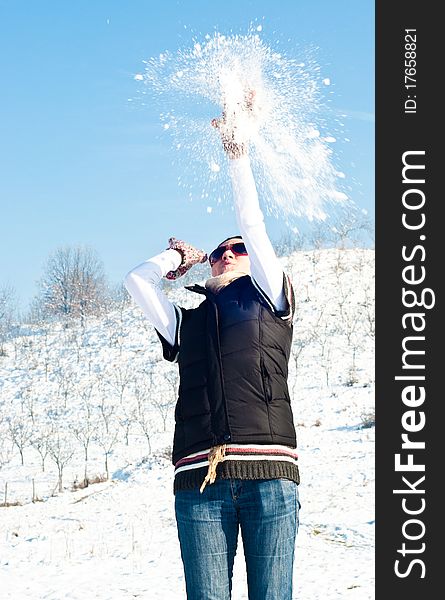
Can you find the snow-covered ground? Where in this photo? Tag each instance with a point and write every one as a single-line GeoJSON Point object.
{"type": "Point", "coordinates": [106, 388]}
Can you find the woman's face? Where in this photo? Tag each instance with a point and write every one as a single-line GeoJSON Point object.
{"type": "Point", "coordinates": [230, 261]}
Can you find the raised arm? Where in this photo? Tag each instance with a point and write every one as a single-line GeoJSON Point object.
{"type": "Point", "coordinates": [143, 285]}
{"type": "Point", "coordinates": [265, 267]}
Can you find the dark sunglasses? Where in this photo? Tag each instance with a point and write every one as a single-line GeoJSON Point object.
{"type": "Point", "coordinates": [239, 249]}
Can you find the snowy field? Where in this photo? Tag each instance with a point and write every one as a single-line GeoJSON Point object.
{"type": "Point", "coordinates": [89, 399]}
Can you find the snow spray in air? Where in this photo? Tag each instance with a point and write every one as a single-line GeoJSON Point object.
{"type": "Point", "coordinates": [291, 159]}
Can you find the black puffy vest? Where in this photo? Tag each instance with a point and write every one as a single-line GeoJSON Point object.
{"type": "Point", "coordinates": [233, 366]}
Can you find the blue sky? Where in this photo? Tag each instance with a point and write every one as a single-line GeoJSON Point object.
{"type": "Point", "coordinates": [81, 164]}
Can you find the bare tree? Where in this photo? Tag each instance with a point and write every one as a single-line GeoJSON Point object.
{"type": "Point", "coordinates": [20, 432]}
{"type": "Point", "coordinates": [323, 330]}
{"type": "Point", "coordinates": [65, 385]}
{"type": "Point", "coordinates": [302, 340]}
{"type": "Point", "coordinates": [6, 445]}
{"type": "Point", "coordinates": [85, 427]}
{"type": "Point", "coordinates": [29, 402]}
{"type": "Point", "coordinates": [61, 450]}
{"type": "Point", "coordinates": [165, 402]}
{"type": "Point", "coordinates": [106, 436]}
{"type": "Point", "coordinates": [351, 326]}
{"type": "Point", "coordinates": [117, 337]}
{"type": "Point", "coordinates": [108, 427]}
{"type": "Point", "coordinates": [73, 284]}
{"type": "Point", "coordinates": [119, 378]}
{"type": "Point", "coordinates": [351, 228]}
{"type": "Point", "coordinates": [120, 299]}
{"type": "Point", "coordinates": [289, 243]}
{"type": "Point", "coordinates": [368, 309]}
{"type": "Point", "coordinates": [143, 416]}
{"type": "Point", "coordinates": [40, 441]}
{"type": "Point", "coordinates": [8, 303]}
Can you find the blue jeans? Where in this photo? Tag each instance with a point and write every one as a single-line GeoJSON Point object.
{"type": "Point", "coordinates": [266, 511]}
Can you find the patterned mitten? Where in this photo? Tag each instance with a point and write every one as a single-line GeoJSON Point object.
{"type": "Point", "coordinates": [190, 256]}
{"type": "Point", "coordinates": [235, 125]}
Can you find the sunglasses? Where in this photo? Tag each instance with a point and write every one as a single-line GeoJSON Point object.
{"type": "Point", "coordinates": [238, 249]}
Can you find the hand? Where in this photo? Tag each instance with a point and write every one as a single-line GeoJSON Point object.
{"type": "Point", "coordinates": [234, 148]}
{"type": "Point", "coordinates": [190, 256]}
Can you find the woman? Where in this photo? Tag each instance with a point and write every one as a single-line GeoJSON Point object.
{"type": "Point", "coordinates": [234, 442]}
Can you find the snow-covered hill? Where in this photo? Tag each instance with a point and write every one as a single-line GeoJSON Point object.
{"type": "Point", "coordinates": [76, 402]}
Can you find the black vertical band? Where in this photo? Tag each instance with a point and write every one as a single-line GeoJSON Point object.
{"type": "Point", "coordinates": [409, 398]}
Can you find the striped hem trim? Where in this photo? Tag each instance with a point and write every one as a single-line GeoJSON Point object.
{"type": "Point", "coordinates": [239, 452]}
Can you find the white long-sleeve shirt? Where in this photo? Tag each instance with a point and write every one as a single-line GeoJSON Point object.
{"type": "Point", "coordinates": [143, 282]}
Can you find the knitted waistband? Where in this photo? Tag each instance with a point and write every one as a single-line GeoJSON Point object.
{"type": "Point", "coordinates": [193, 478]}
